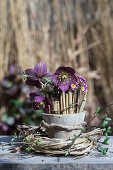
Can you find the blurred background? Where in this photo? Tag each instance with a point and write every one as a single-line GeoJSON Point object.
{"type": "Point", "coordinates": [77, 33]}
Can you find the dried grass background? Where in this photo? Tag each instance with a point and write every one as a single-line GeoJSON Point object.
{"type": "Point", "coordinates": [78, 33]}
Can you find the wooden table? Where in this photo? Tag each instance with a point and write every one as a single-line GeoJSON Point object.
{"type": "Point", "coordinates": [28, 161]}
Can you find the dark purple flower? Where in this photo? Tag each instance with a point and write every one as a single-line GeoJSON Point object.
{"type": "Point", "coordinates": [40, 102]}
{"type": "Point", "coordinates": [15, 70]}
{"type": "Point", "coordinates": [82, 82]}
{"type": "Point", "coordinates": [63, 77]}
{"type": "Point", "coordinates": [37, 75]}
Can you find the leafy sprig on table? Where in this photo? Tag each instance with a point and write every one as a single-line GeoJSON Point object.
{"type": "Point", "coordinates": [107, 129]}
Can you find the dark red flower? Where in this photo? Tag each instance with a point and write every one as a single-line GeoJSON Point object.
{"type": "Point", "coordinates": [36, 76]}
{"type": "Point", "coordinates": [63, 77]}
{"type": "Point", "coordinates": [40, 102]}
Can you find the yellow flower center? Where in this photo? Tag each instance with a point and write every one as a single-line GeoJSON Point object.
{"type": "Point", "coordinates": [73, 85]}
{"type": "Point", "coordinates": [41, 103]}
{"type": "Point", "coordinates": [64, 77]}
{"type": "Point", "coordinates": [15, 71]}
{"type": "Point", "coordinates": [82, 88]}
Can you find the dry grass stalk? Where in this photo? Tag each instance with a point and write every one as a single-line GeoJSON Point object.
{"type": "Point", "coordinates": [67, 104]}
{"type": "Point", "coordinates": [55, 106]}
{"type": "Point", "coordinates": [64, 103]}
{"type": "Point", "coordinates": [70, 102]}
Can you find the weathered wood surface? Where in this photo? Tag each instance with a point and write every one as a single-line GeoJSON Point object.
{"type": "Point", "coordinates": [28, 161]}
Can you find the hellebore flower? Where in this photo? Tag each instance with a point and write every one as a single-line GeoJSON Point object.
{"type": "Point", "coordinates": [15, 70]}
{"type": "Point", "coordinates": [36, 76]}
{"type": "Point", "coordinates": [63, 77]}
{"type": "Point", "coordinates": [40, 102]}
{"type": "Point", "coordinates": [82, 82]}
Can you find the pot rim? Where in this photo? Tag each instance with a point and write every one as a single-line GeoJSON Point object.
{"type": "Point", "coordinates": [46, 114]}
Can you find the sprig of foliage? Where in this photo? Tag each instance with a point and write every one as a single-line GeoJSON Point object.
{"type": "Point", "coordinates": [102, 150]}
{"type": "Point", "coordinates": [107, 131]}
{"type": "Point", "coordinates": [14, 137]}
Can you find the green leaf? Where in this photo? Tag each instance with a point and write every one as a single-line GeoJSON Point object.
{"type": "Point", "coordinates": [28, 149]}
{"type": "Point", "coordinates": [37, 143]}
{"type": "Point", "coordinates": [39, 112]}
{"type": "Point", "coordinates": [106, 115]}
{"type": "Point", "coordinates": [97, 110]}
{"type": "Point", "coordinates": [15, 137]}
{"type": "Point", "coordinates": [27, 139]}
{"type": "Point", "coordinates": [102, 150]}
{"type": "Point", "coordinates": [106, 134]}
{"type": "Point", "coordinates": [83, 129]}
{"type": "Point", "coordinates": [108, 118]}
{"type": "Point", "coordinates": [74, 136]}
{"type": "Point", "coordinates": [66, 152]}
{"type": "Point", "coordinates": [105, 151]}
{"type": "Point", "coordinates": [104, 128]}
{"type": "Point", "coordinates": [109, 128]}
{"type": "Point", "coordinates": [104, 123]}
{"type": "Point", "coordinates": [17, 102]}
{"type": "Point", "coordinates": [106, 141]}
{"type": "Point", "coordinates": [40, 139]}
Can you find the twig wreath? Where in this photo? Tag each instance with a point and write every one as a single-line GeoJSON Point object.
{"type": "Point", "coordinates": [62, 93]}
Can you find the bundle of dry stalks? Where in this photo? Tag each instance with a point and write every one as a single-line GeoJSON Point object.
{"type": "Point", "coordinates": [69, 102]}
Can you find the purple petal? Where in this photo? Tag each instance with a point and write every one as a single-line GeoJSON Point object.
{"type": "Point", "coordinates": [33, 94]}
{"type": "Point", "coordinates": [49, 75]}
{"type": "Point", "coordinates": [39, 98]}
{"type": "Point", "coordinates": [46, 109]}
{"type": "Point", "coordinates": [55, 79]}
{"type": "Point", "coordinates": [81, 78]}
{"type": "Point", "coordinates": [67, 69]}
{"type": "Point", "coordinates": [41, 69]}
{"type": "Point", "coordinates": [31, 72]}
{"type": "Point", "coordinates": [36, 106]}
{"type": "Point", "coordinates": [48, 101]}
{"type": "Point", "coordinates": [64, 87]}
{"type": "Point", "coordinates": [61, 68]}
{"type": "Point", "coordinates": [73, 80]}
{"type": "Point", "coordinates": [32, 82]}
{"type": "Point", "coordinates": [70, 70]}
